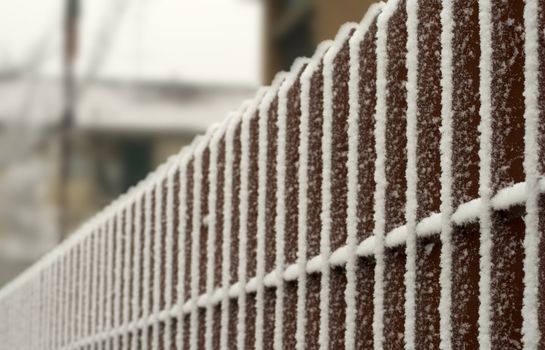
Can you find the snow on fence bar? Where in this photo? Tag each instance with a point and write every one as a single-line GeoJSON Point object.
{"type": "Point", "coordinates": [385, 193]}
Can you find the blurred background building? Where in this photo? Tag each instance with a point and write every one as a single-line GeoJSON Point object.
{"type": "Point", "coordinates": [94, 94]}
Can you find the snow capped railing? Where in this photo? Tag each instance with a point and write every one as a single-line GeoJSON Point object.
{"type": "Point", "coordinates": [385, 193]}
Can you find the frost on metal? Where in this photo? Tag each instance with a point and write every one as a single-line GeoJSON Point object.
{"type": "Point", "coordinates": [386, 193]}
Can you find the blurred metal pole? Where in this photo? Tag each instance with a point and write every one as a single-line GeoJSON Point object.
{"type": "Point", "coordinates": [71, 18]}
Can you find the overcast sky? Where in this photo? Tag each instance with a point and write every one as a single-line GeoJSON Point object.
{"type": "Point", "coordinates": [204, 41]}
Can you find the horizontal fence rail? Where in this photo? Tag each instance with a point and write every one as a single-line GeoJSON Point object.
{"type": "Point", "coordinates": [385, 193]}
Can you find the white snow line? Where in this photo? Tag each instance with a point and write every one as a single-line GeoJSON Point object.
{"type": "Point", "coordinates": [196, 232]}
{"type": "Point", "coordinates": [328, 68]}
{"type": "Point", "coordinates": [261, 205]}
{"type": "Point", "coordinates": [202, 301]}
{"type": "Point", "coordinates": [64, 283]}
{"type": "Point", "coordinates": [162, 316]}
{"type": "Point", "coordinates": [126, 274]}
{"type": "Point", "coordinates": [227, 216]}
{"type": "Point", "coordinates": [88, 285]}
{"type": "Point", "coordinates": [131, 195]}
{"type": "Point", "coordinates": [280, 220]}
{"type": "Point", "coordinates": [56, 304]}
{"type": "Point", "coordinates": [485, 128]}
{"type": "Point", "coordinates": [157, 247]}
{"type": "Point", "coordinates": [530, 326]}
{"type": "Point", "coordinates": [42, 311]}
{"type": "Point", "coordinates": [41, 302]}
{"type": "Point", "coordinates": [467, 212]}
{"type": "Point", "coordinates": [271, 279]}
{"type": "Point", "coordinates": [62, 295]}
{"type": "Point", "coordinates": [243, 230]}
{"type": "Point", "coordinates": [147, 263]}
{"type": "Point", "coordinates": [380, 178]}
{"type": "Point", "coordinates": [396, 237]}
{"type": "Point", "coordinates": [212, 217]}
{"type": "Point", "coordinates": [59, 304]}
{"type": "Point", "coordinates": [169, 242]}
{"type": "Point", "coordinates": [234, 291]}
{"type": "Point", "coordinates": [210, 252]}
{"type": "Point", "coordinates": [109, 275]}
{"type": "Point", "coordinates": [353, 172]}
{"type": "Point", "coordinates": [291, 273]}
{"type": "Point", "coordinates": [181, 258]}
{"type": "Point", "coordinates": [96, 300]}
{"type": "Point", "coordinates": [411, 172]}
{"type": "Point", "coordinates": [137, 264]}
{"type": "Point", "coordinates": [366, 247]}
{"type": "Point", "coordinates": [69, 279]}
{"type": "Point", "coordinates": [35, 313]}
{"type": "Point", "coordinates": [30, 314]}
{"type": "Point", "coordinates": [243, 212]}
{"type": "Point", "coordinates": [315, 264]}
{"type": "Point", "coordinates": [46, 312]}
{"type": "Point", "coordinates": [340, 256]}
{"type": "Point", "coordinates": [251, 285]}
{"type": "Point", "coordinates": [217, 296]}
{"type": "Point", "coordinates": [118, 271]}
{"type": "Point", "coordinates": [306, 76]}
{"type": "Point", "coordinates": [90, 263]}
{"type": "Point", "coordinates": [188, 307]}
{"type": "Point", "coordinates": [429, 225]}
{"type": "Point", "coordinates": [509, 196]}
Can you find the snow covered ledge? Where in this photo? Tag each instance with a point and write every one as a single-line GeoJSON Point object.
{"type": "Point", "coordinates": [466, 213]}
{"type": "Point", "coordinates": [505, 199]}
